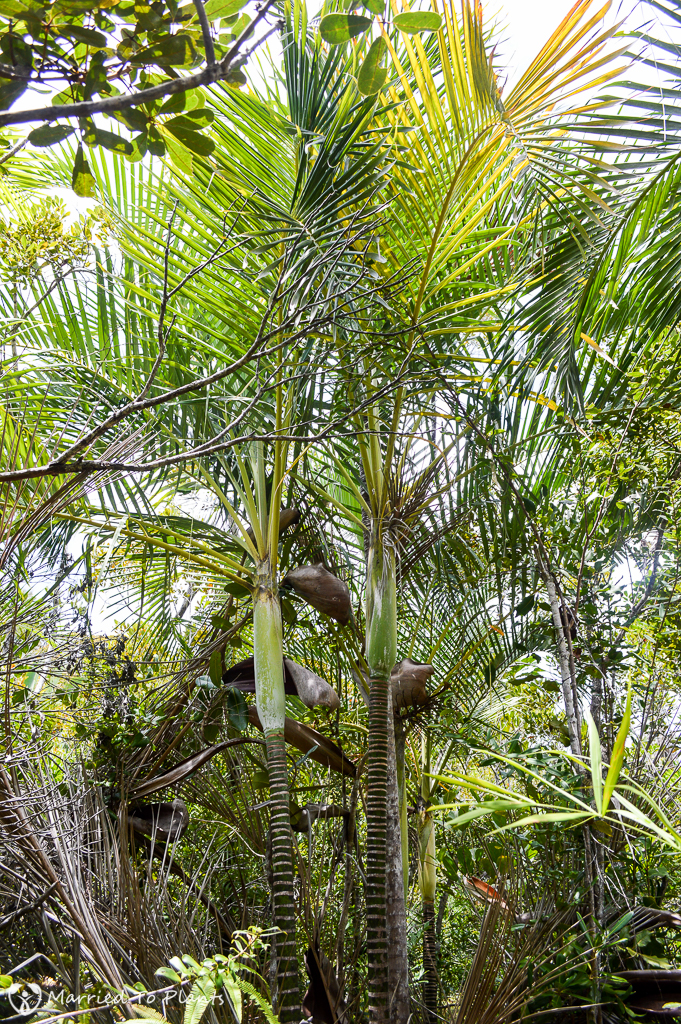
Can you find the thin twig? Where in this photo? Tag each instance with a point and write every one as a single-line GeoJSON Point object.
{"type": "Point", "coordinates": [13, 151]}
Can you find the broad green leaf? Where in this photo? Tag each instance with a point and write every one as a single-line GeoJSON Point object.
{"type": "Point", "coordinates": [189, 961]}
{"type": "Point", "coordinates": [133, 118]}
{"type": "Point", "coordinates": [174, 50]}
{"type": "Point", "coordinates": [211, 732]}
{"type": "Point", "coordinates": [236, 77]}
{"type": "Point", "coordinates": [194, 141]}
{"type": "Point", "coordinates": [215, 670]}
{"type": "Point", "coordinates": [375, 6]}
{"type": "Point", "coordinates": [237, 709]}
{"type": "Point", "coordinates": [617, 758]}
{"type": "Point", "coordinates": [11, 92]}
{"type": "Point", "coordinates": [49, 134]}
{"type": "Point", "coordinates": [6, 981]}
{"type": "Point", "coordinates": [220, 622]}
{"type": "Point", "coordinates": [655, 961]}
{"type": "Point", "coordinates": [13, 9]}
{"type": "Point", "coordinates": [525, 606]}
{"type": "Point", "coordinates": [193, 119]}
{"type": "Point", "coordinates": [139, 148]}
{"type": "Point", "coordinates": [620, 923]}
{"type": "Point", "coordinates": [339, 28]}
{"type": "Point", "coordinates": [288, 612]}
{"type": "Point", "coordinates": [537, 819]}
{"type": "Point", "coordinates": [223, 8]}
{"type": "Point", "coordinates": [417, 21]}
{"type": "Point", "coordinates": [238, 589]}
{"type": "Point", "coordinates": [114, 143]}
{"type": "Point", "coordinates": [596, 762]}
{"type": "Point", "coordinates": [180, 157]}
{"type": "Point", "coordinates": [155, 141]}
{"type": "Point", "coordinates": [371, 76]}
{"type": "Point", "coordinates": [82, 179]}
{"type": "Point", "coordinates": [180, 101]}
{"type": "Point", "coordinates": [169, 973]}
{"type": "Point", "coordinates": [668, 835]}
{"type": "Point", "coordinates": [89, 36]}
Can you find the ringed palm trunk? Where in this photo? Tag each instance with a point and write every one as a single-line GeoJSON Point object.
{"type": "Point", "coordinates": [427, 883]}
{"type": "Point", "coordinates": [271, 704]}
{"type": "Point", "coordinates": [381, 651]}
{"type": "Point", "coordinates": [400, 737]}
{"type": "Point", "coordinates": [396, 917]}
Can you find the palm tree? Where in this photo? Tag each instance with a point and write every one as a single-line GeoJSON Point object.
{"type": "Point", "coordinates": [287, 275]}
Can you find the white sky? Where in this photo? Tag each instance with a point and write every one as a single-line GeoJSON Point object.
{"type": "Point", "coordinates": [529, 23]}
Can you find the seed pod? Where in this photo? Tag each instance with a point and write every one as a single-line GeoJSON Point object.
{"type": "Point", "coordinates": [408, 680]}
{"type": "Point", "coordinates": [322, 590]}
{"type": "Point", "coordinates": [162, 822]}
{"type": "Point", "coordinates": [312, 689]}
{"type": "Point", "coordinates": [287, 517]}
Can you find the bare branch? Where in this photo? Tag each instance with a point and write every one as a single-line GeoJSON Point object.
{"type": "Point", "coordinates": [13, 151]}
{"type": "Point", "coordinates": [85, 467]}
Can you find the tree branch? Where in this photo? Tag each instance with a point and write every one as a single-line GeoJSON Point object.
{"type": "Point", "coordinates": [13, 151]}
{"type": "Point", "coordinates": [211, 74]}
{"type": "Point", "coordinates": [205, 29]}
{"type": "Point", "coordinates": [86, 467]}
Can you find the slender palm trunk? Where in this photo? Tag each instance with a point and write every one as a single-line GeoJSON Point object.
{"type": "Point", "coordinates": [271, 703]}
{"type": "Point", "coordinates": [428, 884]}
{"type": "Point", "coordinates": [428, 879]}
{"type": "Point", "coordinates": [381, 651]}
{"type": "Point", "coordinates": [398, 963]}
{"type": "Point", "coordinates": [400, 737]}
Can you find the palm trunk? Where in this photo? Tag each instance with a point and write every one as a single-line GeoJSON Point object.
{"type": "Point", "coordinates": [400, 737]}
{"type": "Point", "coordinates": [271, 704]}
{"type": "Point", "coordinates": [428, 884]}
{"type": "Point", "coordinates": [428, 877]}
{"type": "Point", "coordinates": [398, 962]}
{"type": "Point", "coordinates": [381, 651]}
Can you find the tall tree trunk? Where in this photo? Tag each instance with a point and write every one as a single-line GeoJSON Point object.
{"type": "Point", "coordinates": [381, 652]}
{"type": "Point", "coordinates": [398, 963]}
{"type": "Point", "coordinates": [400, 737]}
{"type": "Point", "coordinates": [271, 703]}
{"type": "Point", "coordinates": [571, 702]}
{"type": "Point", "coordinates": [428, 883]}
{"type": "Point", "coordinates": [566, 668]}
